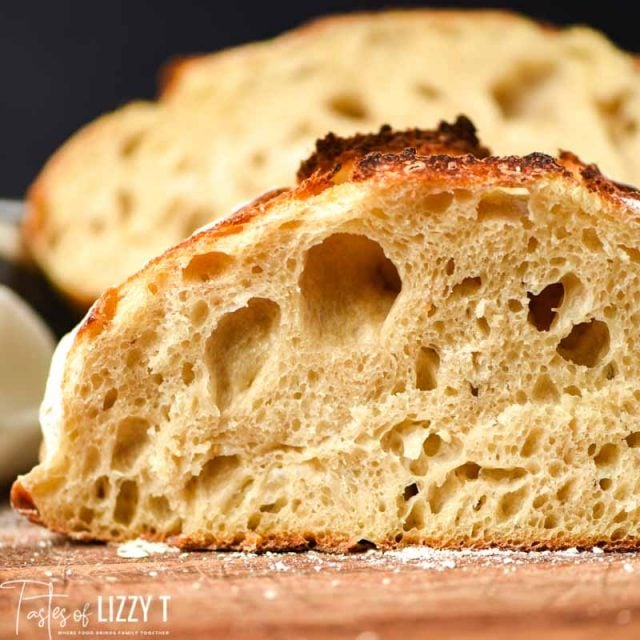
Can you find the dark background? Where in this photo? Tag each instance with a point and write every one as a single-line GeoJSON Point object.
{"type": "Point", "coordinates": [65, 62]}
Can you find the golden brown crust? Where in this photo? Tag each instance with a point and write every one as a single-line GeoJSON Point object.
{"type": "Point", "coordinates": [334, 152]}
{"type": "Point", "coordinates": [22, 502]}
{"type": "Point", "coordinates": [170, 72]}
{"type": "Point", "coordinates": [593, 178]}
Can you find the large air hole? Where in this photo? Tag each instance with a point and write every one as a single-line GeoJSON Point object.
{"type": "Point", "coordinates": [126, 502]}
{"type": "Point", "coordinates": [239, 347]}
{"type": "Point", "coordinates": [586, 344]}
{"type": "Point", "coordinates": [466, 287]}
{"type": "Point", "coordinates": [427, 365]}
{"type": "Point", "coordinates": [348, 287]}
{"type": "Point", "coordinates": [501, 206]}
{"type": "Point", "coordinates": [207, 266]}
{"type": "Point", "coordinates": [131, 439]}
{"type": "Point", "coordinates": [217, 472]}
{"type": "Point", "coordinates": [543, 307]}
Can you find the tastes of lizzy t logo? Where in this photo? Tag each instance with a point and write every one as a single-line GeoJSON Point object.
{"type": "Point", "coordinates": [39, 604]}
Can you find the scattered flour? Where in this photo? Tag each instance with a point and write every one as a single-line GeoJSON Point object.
{"type": "Point", "coordinates": [140, 548]}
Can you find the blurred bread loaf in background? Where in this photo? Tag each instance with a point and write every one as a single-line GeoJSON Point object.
{"type": "Point", "coordinates": [230, 125]}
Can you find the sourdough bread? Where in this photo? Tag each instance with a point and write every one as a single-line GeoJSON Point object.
{"type": "Point", "coordinates": [231, 125]}
{"type": "Point", "coordinates": [421, 349]}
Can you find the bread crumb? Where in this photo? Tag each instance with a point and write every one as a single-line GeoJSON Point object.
{"type": "Point", "coordinates": [628, 567]}
{"type": "Point", "coordinates": [270, 594]}
{"type": "Point", "coordinates": [140, 548]}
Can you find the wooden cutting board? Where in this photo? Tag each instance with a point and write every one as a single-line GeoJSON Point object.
{"type": "Point", "coordinates": [411, 594]}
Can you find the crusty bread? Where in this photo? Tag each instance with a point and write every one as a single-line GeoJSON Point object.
{"type": "Point", "coordinates": [423, 349]}
{"type": "Point", "coordinates": [232, 125]}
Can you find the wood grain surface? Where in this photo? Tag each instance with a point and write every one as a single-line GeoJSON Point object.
{"type": "Point", "coordinates": [371, 596]}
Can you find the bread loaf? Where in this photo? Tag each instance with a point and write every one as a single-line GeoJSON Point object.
{"type": "Point", "coordinates": [429, 349]}
{"type": "Point", "coordinates": [231, 125]}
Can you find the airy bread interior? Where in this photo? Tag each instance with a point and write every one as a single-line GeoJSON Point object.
{"type": "Point", "coordinates": [435, 350]}
{"type": "Point", "coordinates": [232, 125]}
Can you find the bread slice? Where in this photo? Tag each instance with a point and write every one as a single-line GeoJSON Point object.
{"type": "Point", "coordinates": [231, 125]}
{"type": "Point", "coordinates": [422, 349]}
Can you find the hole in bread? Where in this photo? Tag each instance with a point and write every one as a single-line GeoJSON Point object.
{"type": "Point", "coordinates": [207, 266]}
{"type": "Point", "coordinates": [216, 474]}
{"type": "Point", "coordinates": [238, 348]}
{"type": "Point", "coordinates": [512, 502]}
{"type": "Point", "coordinates": [86, 514]}
{"type": "Point", "coordinates": [469, 471]}
{"type": "Point", "coordinates": [532, 443]}
{"type": "Point", "coordinates": [545, 390]}
{"type": "Point", "coordinates": [610, 370]}
{"type": "Point", "coordinates": [632, 253]}
{"type": "Point", "coordinates": [405, 439]}
{"type": "Point", "coordinates": [410, 491]}
{"type": "Point", "coordinates": [618, 117]}
{"type": "Point", "coordinates": [520, 92]}
{"type": "Point", "coordinates": [450, 267]}
{"type": "Point", "coordinates": [274, 507]}
{"type": "Point", "coordinates": [502, 207]}
{"type": "Point", "coordinates": [416, 517]}
{"type": "Point", "coordinates": [348, 287]}
{"type": "Point", "coordinates": [188, 375]}
{"type": "Point", "coordinates": [586, 344]}
{"type": "Point", "coordinates": [543, 307]}
{"type": "Point", "coordinates": [605, 483]}
{"type": "Point", "coordinates": [607, 456]}
{"type": "Point", "coordinates": [258, 158]}
{"type": "Point", "coordinates": [349, 106]}
{"type": "Point", "coordinates": [437, 202]}
{"type": "Point", "coordinates": [109, 399]}
{"type": "Point", "coordinates": [130, 143]}
{"type": "Point", "coordinates": [500, 474]}
{"type": "Point", "coordinates": [467, 286]}
{"type": "Point", "coordinates": [439, 495]}
{"type": "Point", "coordinates": [515, 306]}
{"type": "Point", "coordinates": [199, 312]}
{"type": "Point", "coordinates": [427, 365]}
{"type": "Point", "coordinates": [479, 503]}
{"type": "Point", "coordinates": [591, 239]}
{"type": "Point", "coordinates": [131, 438]}
{"type": "Point", "coordinates": [435, 447]}
{"type": "Point", "coordinates": [126, 502]}
{"type": "Point", "coordinates": [565, 491]}
{"type": "Point", "coordinates": [483, 325]}
{"type": "Point", "coordinates": [427, 91]}
{"type": "Point", "coordinates": [159, 507]}
{"type": "Point", "coordinates": [101, 487]}
{"type": "Point", "coordinates": [633, 440]}
{"type": "Point", "coordinates": [124, 204]}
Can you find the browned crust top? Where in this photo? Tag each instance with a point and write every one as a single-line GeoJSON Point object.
{"type": "Point", "coordinates": [331, 151]}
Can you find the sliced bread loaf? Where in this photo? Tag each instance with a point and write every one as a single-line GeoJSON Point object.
{"type": "Point", "coordinates": [420, 349]}
{"type": "Point", "coordinates": [231, 125]}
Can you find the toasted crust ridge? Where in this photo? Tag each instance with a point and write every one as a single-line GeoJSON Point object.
{"type": "Point", "coordinates": [458, 138]}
